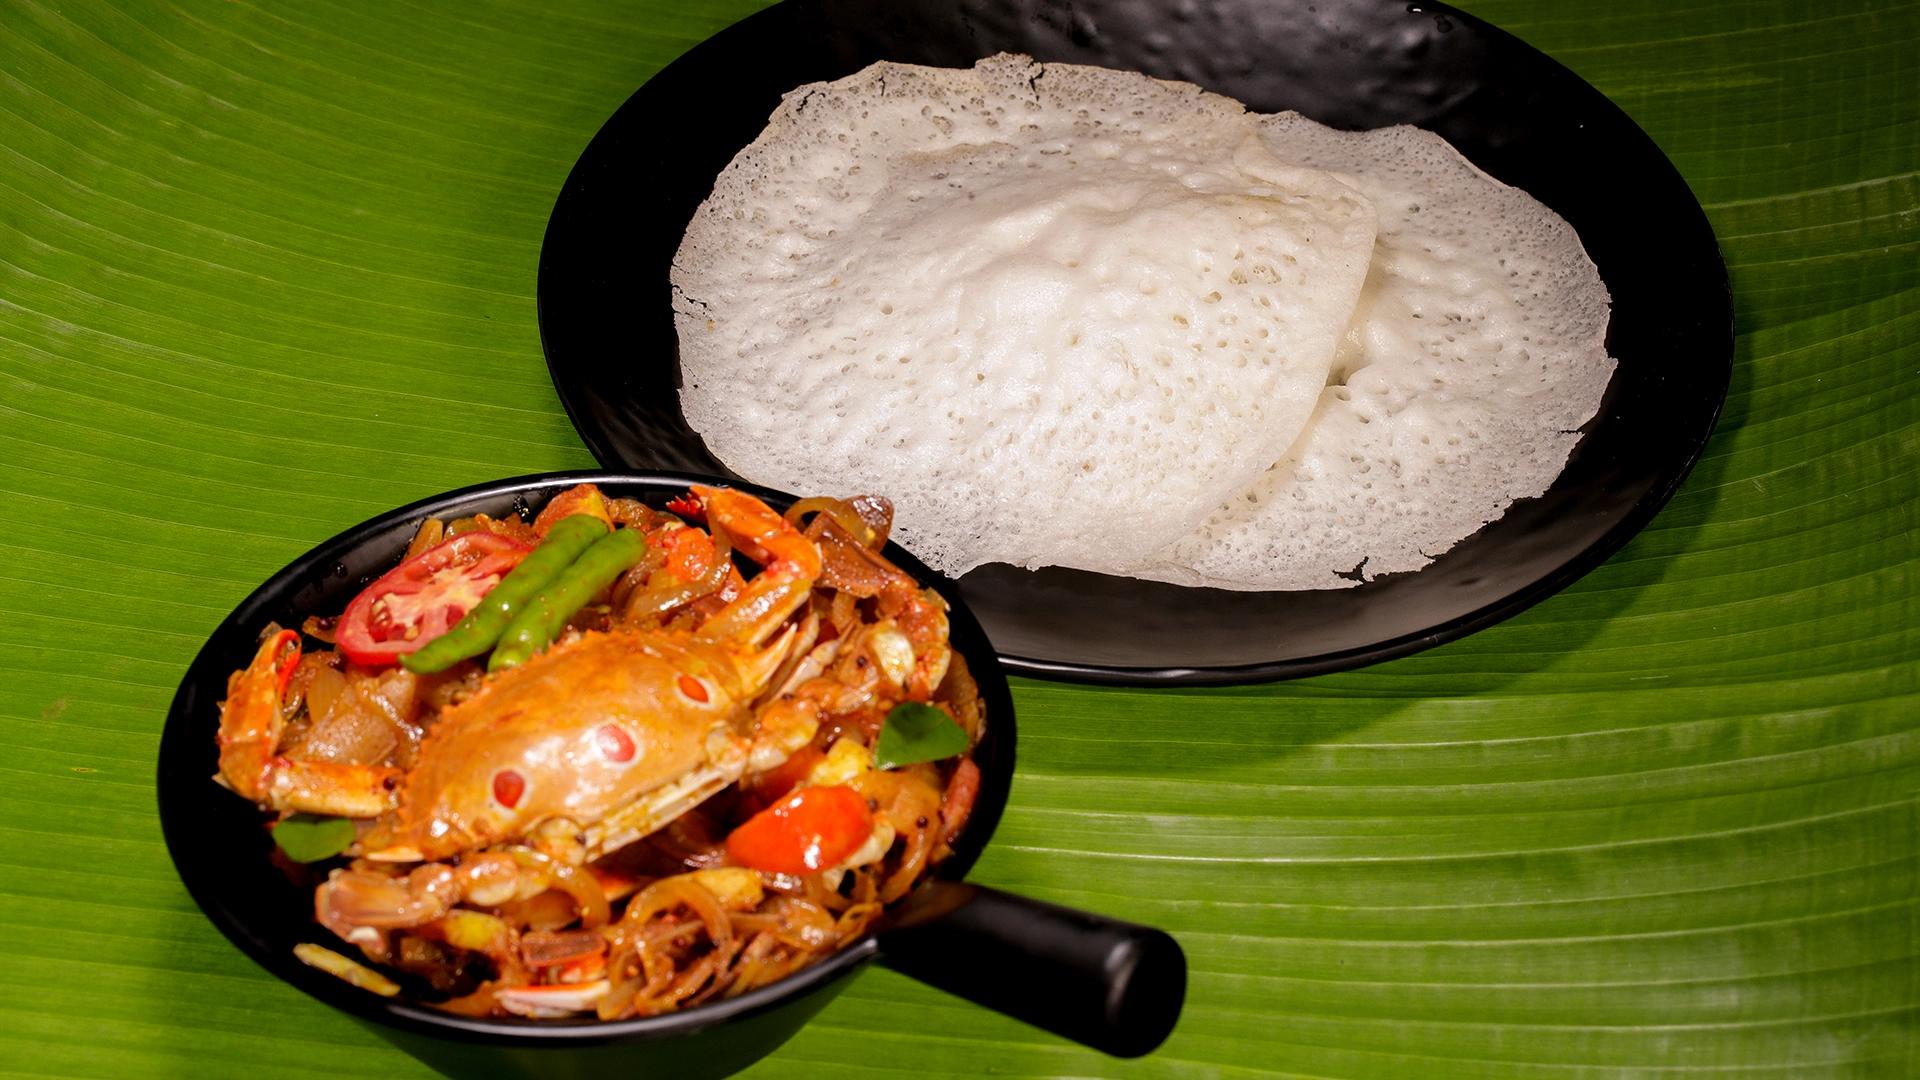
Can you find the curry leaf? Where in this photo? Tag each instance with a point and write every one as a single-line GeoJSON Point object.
{"type": "Point", "coordinates": [307, 838]}
{"type": "Point", "coordinates": [914, 733]}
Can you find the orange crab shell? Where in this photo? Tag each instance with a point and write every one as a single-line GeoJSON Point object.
{"type": "Point", "coordinates": [577, 732]}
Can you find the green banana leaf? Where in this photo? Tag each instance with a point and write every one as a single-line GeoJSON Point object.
{"type": "Point", "coordinates": [267, 269]}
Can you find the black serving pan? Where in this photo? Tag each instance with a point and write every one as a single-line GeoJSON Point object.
{"type": "Point", "coordinates": [1112, 985]}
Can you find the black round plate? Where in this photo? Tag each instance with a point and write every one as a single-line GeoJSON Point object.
{"type": "Point", "coordinates": [608, 330]}
{"type": "Point", "coordinates": [221, 850]}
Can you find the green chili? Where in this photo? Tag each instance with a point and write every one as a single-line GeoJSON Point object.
{"type": "Point", "coordinates": [483, 625]}
{"type": "Point", "coordinates": [535, 627]}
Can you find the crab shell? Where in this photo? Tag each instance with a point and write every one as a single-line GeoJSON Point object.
{"type": "Point", "coordinates": [583, 732]}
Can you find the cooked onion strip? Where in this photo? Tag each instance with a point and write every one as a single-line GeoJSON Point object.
{"type": "Point", "coordinates": [575, 882]}
{"type": "Point", "coordinates": [360, 975]}
{"type": "Point", "coordinates": [842, 514]}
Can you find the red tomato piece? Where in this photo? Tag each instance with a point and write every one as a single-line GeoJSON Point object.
{"type": "Point", "coordinates": [808, 831]}
{"type": "Point", "coordinates": [424, 597]}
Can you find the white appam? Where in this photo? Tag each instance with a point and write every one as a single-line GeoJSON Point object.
{"type": "Point", "coordinates": [1476, 353]}
{"type": "Point", "coordinates": [1058, 314]}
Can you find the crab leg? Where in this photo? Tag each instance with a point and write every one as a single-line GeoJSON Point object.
{"type": "Point", "coordinates": [325, 787]}
{"type": "Point", "coordinates": [354, 901]}
{"type": "Point", "coordinates": [790, 563]}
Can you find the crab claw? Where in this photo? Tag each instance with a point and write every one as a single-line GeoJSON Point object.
{"type": "Point", "coordinates": [252, 721]}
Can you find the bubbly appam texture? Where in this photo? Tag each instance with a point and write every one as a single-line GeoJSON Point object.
{"type": "Point", "coordinates": [1477, 351]}
{"type": "Point", "coordinates": [1058, 314]}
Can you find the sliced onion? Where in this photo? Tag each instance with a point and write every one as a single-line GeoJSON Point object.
{"type": "Point", "coordinates": [575, 882]}
{"type": "Point", "coordinates": [843, 515]}
{"type": "Point", "coordinates": [367, 723]}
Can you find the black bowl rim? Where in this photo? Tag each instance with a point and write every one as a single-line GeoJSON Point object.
{"type": "Point", "coordinates": [316, 562]}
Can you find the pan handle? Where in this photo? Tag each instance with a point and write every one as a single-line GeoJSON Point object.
{"type": "Point", "coordinates": [1112, 985]}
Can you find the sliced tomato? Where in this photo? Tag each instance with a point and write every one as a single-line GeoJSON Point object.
{"type": "Point", "coordinates": [424, 597]}
{"type": "Point", "coordinates": [810, 830]}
